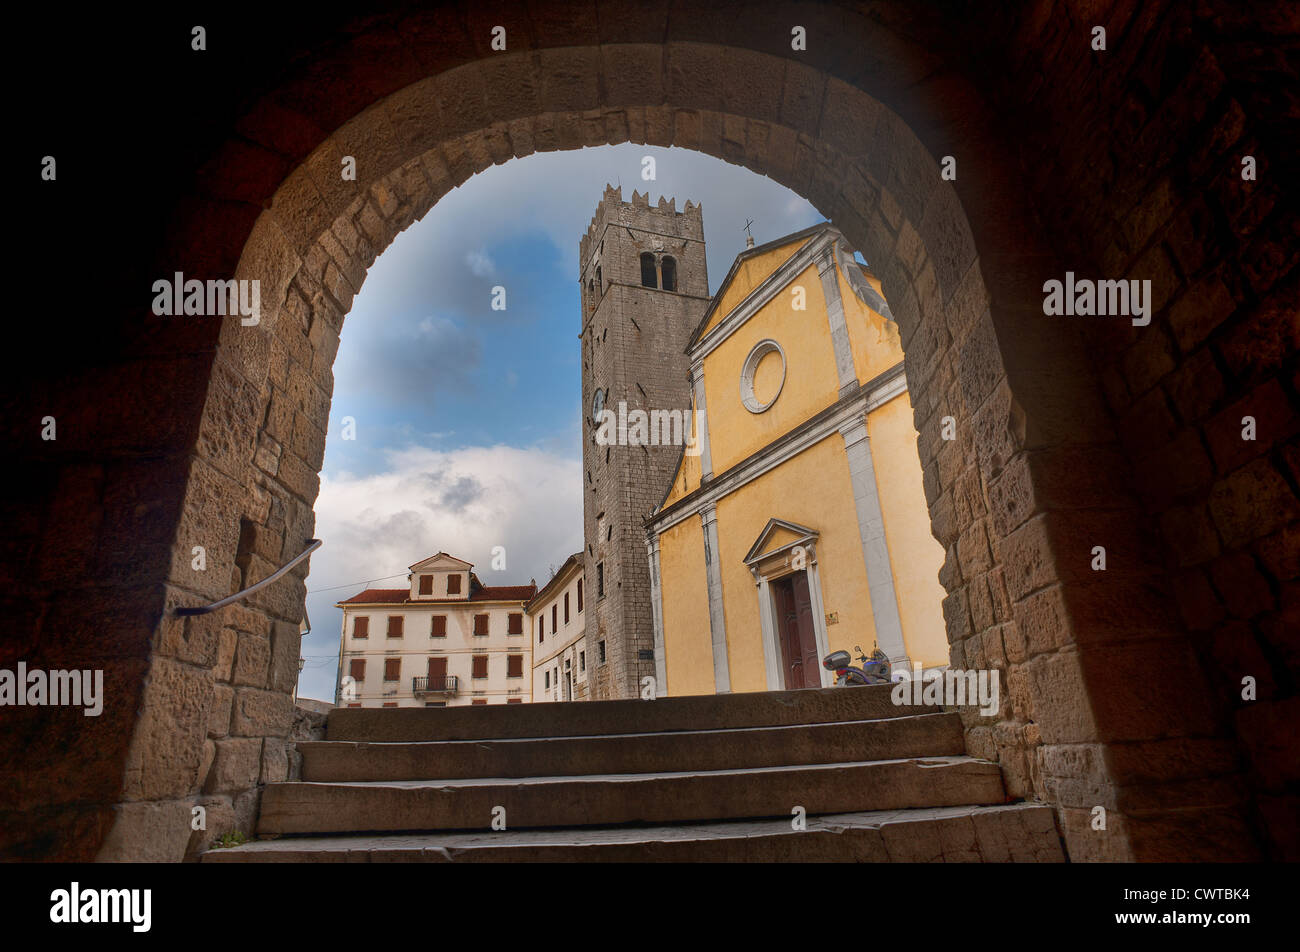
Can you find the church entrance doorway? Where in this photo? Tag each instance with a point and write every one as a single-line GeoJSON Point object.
{"type": "Point", "coordinates": [795, 632]}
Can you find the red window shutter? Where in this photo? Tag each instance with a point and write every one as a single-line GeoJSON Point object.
{"type": "Point", "coordinates": [390, 704]}
{"type": "Point", "coordinates": [480, 666]}
{"type": "Point", "coordinates": [355, 705]}
{"type": "Point", "coordinates": [541, 627]}
{"type": "Point", "coordinates": [566, 608]}
{"type": "Point", "coordinates": [480, 624]}
{"type": "Point", "coordinates": [426, 584]}
{"type": "Point", "coordinates": [439, 627]}
{"type": "Point", "coordinates": [453, 584]}
{"type": "Point", "coordinates": [395, 626]}
{"type": "Point", "coordinates": [516, 624]}
{"type": "Point", "coordinates": [479, 700]}
{"type": "Point", "coordinates": [437, 668]}
{"type": "Point", "coordinates": [579, 594]}
{"type": "Point", "coordinates": [554, 616]}
{"type": "Point", "coordinates": [358, 669]}
{"type": "Point", "coordinates": [361, 627]}
{"type": "Point", "coordinates": [392, 669]}
{"type": "Point", "coordinates": [515, 666]}
{"type": "Point", "coordinates": [514, 700]}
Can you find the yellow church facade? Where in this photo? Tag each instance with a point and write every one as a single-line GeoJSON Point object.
{"type": "Point", "coordinates": [797, 524]}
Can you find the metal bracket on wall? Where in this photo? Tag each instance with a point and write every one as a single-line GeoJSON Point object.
{"type": "Point", "coordinates": [231, 599]}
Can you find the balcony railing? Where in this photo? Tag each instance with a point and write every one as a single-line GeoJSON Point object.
{"type": "Point", "coordinates": [443, 685]}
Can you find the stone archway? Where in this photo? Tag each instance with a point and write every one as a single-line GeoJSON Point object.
{"type": "Point", "coordinates": [1044, 467]}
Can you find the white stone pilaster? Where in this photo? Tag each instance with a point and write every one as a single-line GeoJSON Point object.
{"type": "Point", "coordinates": [875, 549]}
{"type": "Point", "coordinates": [657, 615]}
{"type": "Point", "coordinates": [717, 621]}
{"type": "Point", "coordinates": [848, 378]}
{"type": "Point", "coordinates": [702, 417]}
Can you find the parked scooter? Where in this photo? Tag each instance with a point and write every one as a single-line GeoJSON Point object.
{"type": "Point", "coordinates": [874, 670]}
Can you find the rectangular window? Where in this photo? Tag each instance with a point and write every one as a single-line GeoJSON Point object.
{"type": "Point", "coordinates": [582, 661]}
{"type": "Point", "coordinates": [354, 705]}
{"type": "Point", "coordinates": [361, 627]}
{"type": "Point", "coordinates": [357, 668]}
{"type": "Point", "coordinates": [566, 608]}
{"type": "Point", "coordinates": [453, 584]}
{"type": "Point", "coordinates": [480, 665]}
{"type": "Point", "coordinates": [426, 584]}
{"type": "Point", "coordinates": [395, 626]}
{"type": "Point", "coordinates": [435, 703]}
{"type": "Point", "coordinates": [438, 628]}
{"type": "Point", "coordinates": [600, 652]}
{"type": "Point", "coordinates": [514, 666]}
{"type": "Point", "coordinates": [579, 595]}
{"type": "Point", "coordinates": [390, 704]}
{"type": "Point", "coordinates": [516, 625]}
{"type": "Point", "coordinates": [546, 680]}
{"type": "Point", "coordinates": [514, 700]}
{"type": "Point", "coordinates": [479, 700]}
{"type": "Point", "coordinates": [554, 615]}
{"type": "Point", "coordinates": [480, 624]}
{"type": "Point", "coordinates": [600, 579]}
{"type": "Point", "coordinates": [541, 628]}
{"type": "Point", "coordinates": [392, 669]}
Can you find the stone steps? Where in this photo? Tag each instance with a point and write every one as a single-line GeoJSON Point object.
{"type": "Point", "coordinates": [590, 718]}
{"type": "Point", "coordinates": [708, 778]}
{"type": "Point", "coordinates": [1020, 832]}
{"type": "Point", "coordinates": [658, 752]}
{"type": "Point", "coordinates": [600, 800]}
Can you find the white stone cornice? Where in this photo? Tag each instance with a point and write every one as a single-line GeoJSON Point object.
{"type": "Point", "coordinates": [885, 387]}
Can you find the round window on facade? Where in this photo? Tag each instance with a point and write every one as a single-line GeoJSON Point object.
{"type": "Point", "coordinates": [763, 376]}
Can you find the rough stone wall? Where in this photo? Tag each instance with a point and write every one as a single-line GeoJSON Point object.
{"type": "Point", "coordinates": [633, 345]}
{"type": "Point", "coordinates": [1155, 146]}
{"type": "Point", "coordinates": [1067, 158]}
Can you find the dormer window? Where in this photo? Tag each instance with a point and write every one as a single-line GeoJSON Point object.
{"type": "Point", "coordinates": [439, 578]}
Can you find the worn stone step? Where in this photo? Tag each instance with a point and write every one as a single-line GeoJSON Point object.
{"type": "Point", "coordinates": [628, 798]}
{"type": "Point", "coordinates": [926, 735]}
{"type": "Point", "coordinates": [693, 712]}
{"type": "Point", "coordinates": [1018, 832]}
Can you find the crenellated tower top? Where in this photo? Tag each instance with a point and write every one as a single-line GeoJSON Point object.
{"type": "Point", "coordinates": [639, 215]}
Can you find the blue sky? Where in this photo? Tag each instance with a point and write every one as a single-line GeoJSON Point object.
{"type": "Point", "coordinates": [466, 418]}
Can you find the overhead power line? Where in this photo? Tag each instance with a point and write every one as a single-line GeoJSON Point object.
{"type": "Point", "coordinates": [334, 588]}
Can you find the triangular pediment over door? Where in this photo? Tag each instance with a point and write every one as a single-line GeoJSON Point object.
{"type": "Point", "coordinates": [777, 540]}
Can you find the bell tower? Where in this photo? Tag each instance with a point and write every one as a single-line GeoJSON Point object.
{"type": "Point", "coordinates": [644, 290]}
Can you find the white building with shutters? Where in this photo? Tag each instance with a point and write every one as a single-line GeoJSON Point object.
{"type": "Point", "coordinates": [556, 622]}
{"type": "Point", "coordinates": [445, 640]}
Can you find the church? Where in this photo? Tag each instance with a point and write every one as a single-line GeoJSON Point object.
{"type": "Point", "coordinates": [793, 521]}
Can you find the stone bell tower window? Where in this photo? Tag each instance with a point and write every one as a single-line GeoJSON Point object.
{"type": "Point", "coordinates": [669, 269]}
{"type": "Point", "coordinates": [649, 278]}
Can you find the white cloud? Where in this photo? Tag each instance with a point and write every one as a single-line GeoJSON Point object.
{"type": "Point", "coordinates": [479, 263]}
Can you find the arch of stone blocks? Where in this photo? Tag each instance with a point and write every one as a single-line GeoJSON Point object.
{"type": "Point", "coordinates": [1106, 696]}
